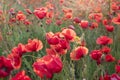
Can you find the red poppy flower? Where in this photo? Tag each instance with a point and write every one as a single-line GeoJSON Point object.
{"type": "Point", "coordinates": [52, 39]}
{"type": "Point", "coordinates": [106, 50]}
{"type": "Point", "coordinates": [21, 76]}
{"type": "Point", "coordinates": [5, 66]}
{"type": "Point", "coordinates": [47, 66]}
{"type": "Point", "coordinates": [78, 53]}
{"type": "Point", "coordinates": [104, 40]}
{"type": "Point", "coordinates": [69, 34]}
{"type": "Point", "coordinates": [40, 12]}
{"type": "Point", "coordinates": [16, 60]}
{"type": "Point", "coordinates": [109, 58]}
{"type": "Point", "coordinates": [114, 6]}
{"type": "Point", "coordinates": [50, 14]}
{"type": "Point", "coordinates": [109, 28]}
{"type": "Point", "coordinates": [20, 16]}
{"type": "Point", "coordinates": [96, 16]}
{"type": "Point", "coordinates": [76, 20]}
{"type": "Point", "coordinates": [116, 20]}
{"type": "Point", "coordinates": [33, 45]}
{"type": "Point", "coordinates": [105, 22]}
{"type": "Point", "coordinates": [93, 25]}
{"type": "Point", "coordinates": [53, 63]}
{"type": "Point", "coordinates": [84, 24]}
{"type": "Point", "coordinates": [64, 44]}
{"type": "Point", "coordinates": [19, 50]}
{"type": "Point", "coordinates": [96, 55]}
{"type": "Point", "coordinates": [117, 68]}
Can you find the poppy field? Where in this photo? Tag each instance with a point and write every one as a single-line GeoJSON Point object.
{"type": "Point", "coordinates": [59, 39]}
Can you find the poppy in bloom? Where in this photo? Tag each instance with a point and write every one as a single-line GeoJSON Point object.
{"type": "Point", "coordinates": [77, 20]}
{"type": "Point", "coordinates": [33, 45]}
{"type": "Point", "coordinates": [116, 20]}
{"type": "Point", "coordinates": [50, 14]}
{"type": "Point", "coordinates": [5, 66]}
{"type": "Point", "coordinates": [114, 6]}
{"type": "Point", "coordinates": [21, 76]}
{"type": "Point", "coordinates": [52, 39]}
{"type": "Point", "coordinates": [40, 12]}
{"type": "Point", "coordinates": [96, 55]}
{"type": "Point", "coordinates": [19, 50]}
{"type": "Point", "coordinates": [47, 66]}
{"type": "Point", "coordinates": [106, 22]}
{"type": "Point", "coordinates": [109, 28]}
{"type": "Point", "coordinates": [78, 53]}
{"type": "Point", "coordinates": [106, 50]}
{"type": "Point", "coordinates": [20, 16]}
{"type": "Point", "coordinates": [16, 60]}
{"type": "Point", "coordinates": [96, 16]}
{"type": "Point", "coordinates": [109, 58]}
{"type": "Point", "coordinates": [84, 24]}
{"type": "Point", "coordinates": [69, 34]}
{"type": "Point", "coordinates": [93, 25]}
{"type": "Point", "coordinates": [104, 40]}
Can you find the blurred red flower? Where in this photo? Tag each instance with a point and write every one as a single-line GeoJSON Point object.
{"type": "Point", "coordinates": [20, 16]}
{"type": "Point", "coordinates": [106, 50]}
{"type": "Point", "coordinates": [84, 24]}
{"type": "Point", "coordinates": [77, 20]}
{"type": "Point", "coordinates": [116, 20]}
{"type": "Point", "coordinates": [104, 40]}
{"type": "Point", "coordinates": [21, 76]}
{"type": "Point", "coordinates": [5, 66]}
{"type": "Point", "coordinates": [96, 55]}
{"type": "Point", "coordinates": [40, 12]}
{"type": "Point", "coordinates": [109, 28]}
{"type": "Point", "coordinates": [109, 58]}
